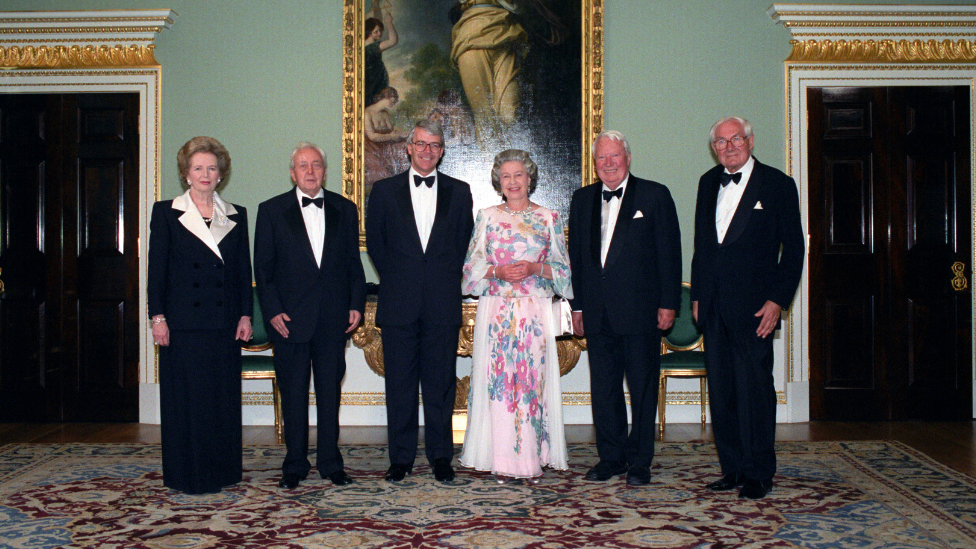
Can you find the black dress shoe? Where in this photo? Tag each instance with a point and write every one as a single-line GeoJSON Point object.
{"type": "Point", "coordinates": [396, 472]}
{"type": "Point", "coordinates": [289, 481]}
{"type": "Point", "coordinates": [605, 470]}
{"type": "Point", "coordinates": [638, 476]}
{"type": "Point", "coordinates": [443, 471]}
{"type": "Point", "coordinates": [756, 489]}
{"type": "Point", "coordinates": [339, 478]}
{"type": "Point", "coordinates": [727, 482]}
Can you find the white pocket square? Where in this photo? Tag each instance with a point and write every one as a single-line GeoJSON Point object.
{"type": "Point", "coordinates": [638, 215]}
{"type": "Point", "coordinates": [758, 206]}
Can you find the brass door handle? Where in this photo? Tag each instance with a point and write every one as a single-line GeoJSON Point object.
{"type": "Point", "coordinates": [959, 282]}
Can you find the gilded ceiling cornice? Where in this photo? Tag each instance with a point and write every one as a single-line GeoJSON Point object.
{"type": "Point", "coordinates": [883, 51]}
{"type": "Point", "coordinates": [910, 34]}
{"type": "Point", "coordinates": [59, 57]}
{"type": "Point", "coordinates": [81, 39]}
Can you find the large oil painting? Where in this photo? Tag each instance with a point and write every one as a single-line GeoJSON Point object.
{"type": "Point", "coordinates": [496, 75]}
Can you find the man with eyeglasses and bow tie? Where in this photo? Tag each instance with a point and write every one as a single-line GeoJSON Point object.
{"type": "Point", "coordinates": [312, 290]}
{"type": "Point", "coordinates": [625, 252]}
{"type": "Point", "coordinates": [746, 267]}
{"type": "Point", "coordinates": [418, 225]}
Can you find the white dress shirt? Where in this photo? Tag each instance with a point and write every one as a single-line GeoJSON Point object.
{"type": "Point", "coordinates": [608, 218]}
{"type": "Point", "coordinates": [424, 201]}
{"type": "Point", "coordinates": [314, 223]}
{"type": "Point", "coordinates": [729, 197]}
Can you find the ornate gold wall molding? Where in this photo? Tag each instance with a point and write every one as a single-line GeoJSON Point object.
{"type": "Point", "coordinates": [908, 34]}
{"type": "Point", "coordinates": [367, 337]}
{"type": "Point", "coordinates": [73, 40]}
{"type": "Point", "coordinates": [883, 51]}
{"type": "Point", "coordinates": [58, 57]}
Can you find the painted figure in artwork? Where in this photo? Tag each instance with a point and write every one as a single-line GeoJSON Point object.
{"type": "Point", "coordinates": [385, 148]}
{"type": "Point", "coordinates": [489, 43]}
{"type": "Point", "coordinates": [376, 75]}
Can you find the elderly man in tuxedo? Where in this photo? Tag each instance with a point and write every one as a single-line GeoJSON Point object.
{"type": "Point", "coordinates": [746, 267]}
{"type": "Point", "coordinates": [625, 251]}
{"type": "Point", "coordinates": [418, 224]}
{"type": "Point", "coordinates": [312, 290]}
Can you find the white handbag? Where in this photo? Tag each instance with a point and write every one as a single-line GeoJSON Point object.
{"type": "Point", "coordinates": [562, 316]}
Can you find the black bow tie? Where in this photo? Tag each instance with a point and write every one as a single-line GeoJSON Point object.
{"type": "Point", "coordinates": [317, 201]}
{"type": "Point", "coordinates": [726, 177]}
{"type": "Point", "coordinates": [607, 195]}
{"type": "Point", "coordinates": [417, 180]}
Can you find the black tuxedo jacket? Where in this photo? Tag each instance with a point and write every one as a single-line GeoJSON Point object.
{"type": "Point", "coordinates": [643, 267]}
{"type": "Point", "coordinates": [187, 282]}
{"type": "Point", "coordinates": [748, 268]}
{"type": "Point", "coordinates": [415, 284]}
{"type": "Point", "coordinates": [288, 279]}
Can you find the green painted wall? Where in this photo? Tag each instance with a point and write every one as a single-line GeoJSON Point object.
{"type": "Point", "coordinates": [261, 76]}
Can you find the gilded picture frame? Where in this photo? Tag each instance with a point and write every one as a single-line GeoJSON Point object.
{"type": "Point", "coordinates": [559, 50]}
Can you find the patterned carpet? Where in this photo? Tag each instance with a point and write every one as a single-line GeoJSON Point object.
{"type": "Point", "coordinates": [827, 495]}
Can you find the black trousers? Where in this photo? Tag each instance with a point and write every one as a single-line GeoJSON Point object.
{"type": "Point", "coordinates": [324, 356]}
{"type": "Point", "coordinates": [742, 397]}
{"type": "Point", "coordinates": [420, 357]}
{"type": "Point", "coordinates": [612, 357]}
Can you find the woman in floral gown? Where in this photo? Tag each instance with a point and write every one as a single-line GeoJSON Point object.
{"type": "Point", "coordinates": [516, 261]}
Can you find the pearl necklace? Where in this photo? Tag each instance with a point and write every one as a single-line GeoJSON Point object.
{"type": "Point", "coordinates": [524, 212]}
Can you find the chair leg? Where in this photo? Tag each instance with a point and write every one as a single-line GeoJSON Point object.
{"type": "Point", "coordinates": [704, 393]}
{"type": "Point", "coordinates": [276, 395]}
{"type": "Point", "coordinates": [661, 403]}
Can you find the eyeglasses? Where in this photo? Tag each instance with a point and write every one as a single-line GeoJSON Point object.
{"type": "Point", "coordinates": [423, 145]}
{"type": "Point", "coordinates": [736, 141]}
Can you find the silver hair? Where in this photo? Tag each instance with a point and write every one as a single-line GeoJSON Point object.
{"type": "Point", "coordinates": [611, 134]}
{"type": "Point", "coordinates": [429, 126]}
{"type": "Point", "coordinates": [746, 126]}
{"type": "Point", "coordinates": [514, 155]}
{"type": "Point", "coordinates": [306, 145]}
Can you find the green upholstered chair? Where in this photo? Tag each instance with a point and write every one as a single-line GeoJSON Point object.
{"type": "Point", "coordinates": [682, 354]}
{"type": "Point", "coordinates": [260, 366]}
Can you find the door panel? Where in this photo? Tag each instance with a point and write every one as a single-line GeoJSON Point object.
{"type": "Point", "coordinates": [850, 363]}
{"type": "Point", "coordinates": [23, 264]}
{"type": "Point", "coordinates": [847, 274]}
{"type": "Point", "coordinates": [848, 196]}
{"type": "Point", "coordinates": [938, 367]}
{"type": "Point", "coordinates": [104, 256]}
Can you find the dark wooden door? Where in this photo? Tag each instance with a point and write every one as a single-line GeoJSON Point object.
{"type": "Point", "coordinates": [890, 246]}
{"type": "Point", "coordinates": [69, 195]}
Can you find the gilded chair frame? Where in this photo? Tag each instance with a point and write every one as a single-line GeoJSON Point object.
{"type": "Point", "coordinates": [667, 347]}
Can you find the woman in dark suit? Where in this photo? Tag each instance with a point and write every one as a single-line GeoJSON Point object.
{"type": "Point", "coordinates": [200, 301]}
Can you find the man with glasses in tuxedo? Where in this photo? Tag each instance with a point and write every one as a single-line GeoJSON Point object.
{"type": "Point", "coordinates": [418, 224]}
{"type": "Point", "coordinates": [748, 259]}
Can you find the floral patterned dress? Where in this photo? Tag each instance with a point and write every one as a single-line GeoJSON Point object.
{"type": "Point", "coordinates": [515, 425]}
